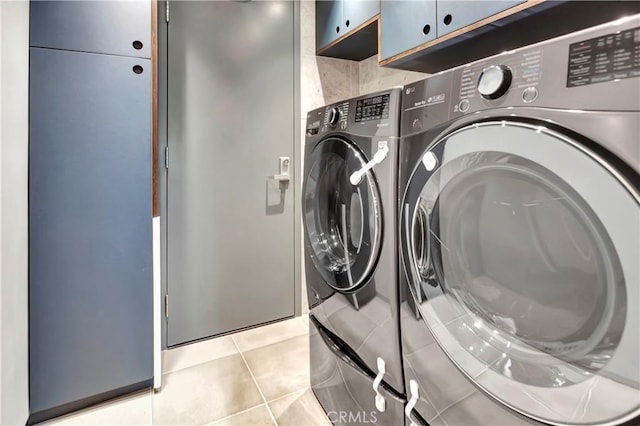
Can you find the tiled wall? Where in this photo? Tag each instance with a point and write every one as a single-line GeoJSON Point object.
{"type": "Point", "coordinates": [323, 80]}
{"type": "Point", "coordinates": [373, 78]}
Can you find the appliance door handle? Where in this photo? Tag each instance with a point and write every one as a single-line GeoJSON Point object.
{"type": "Point", "coordinates": [379, 156]}
{"type": "Point", "coordinates": [414, 394]}
{"type": "Point", "coordinates": [381, 403]}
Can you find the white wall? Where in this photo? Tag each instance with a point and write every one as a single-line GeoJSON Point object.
{"type": "Point", "coordinates": [14, 85]}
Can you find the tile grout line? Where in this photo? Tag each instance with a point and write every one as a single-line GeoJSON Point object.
{"type": "Point", "coordinates": [255, 381]}
{"type": "Point", "coordinates": [291, 393]}
{"type": "Point", "coordinates": [235, 414]}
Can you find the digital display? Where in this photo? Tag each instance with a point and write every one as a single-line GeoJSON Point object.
{"type": "Point", "coordinates": [374, 108]}
{"type": "Point", "coordinates": [611, 57]}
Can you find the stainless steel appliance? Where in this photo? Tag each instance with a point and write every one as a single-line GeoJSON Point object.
{"type": "Point", "coordinates": [349, 211]}
{"type": "Point", "coordinates": [520, 235]}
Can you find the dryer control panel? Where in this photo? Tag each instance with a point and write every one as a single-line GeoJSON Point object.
{"type": "Point", "coordinates": [590, 70]}
{"type": "Point", "coordinates": [609, 57]}
{"type": "Point", "coordinates": [426, 103]}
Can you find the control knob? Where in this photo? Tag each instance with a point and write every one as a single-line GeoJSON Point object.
{"type": "Point", "coordinates": [494, 81]}
{"type": "Point", "coordinates": [334, 116]}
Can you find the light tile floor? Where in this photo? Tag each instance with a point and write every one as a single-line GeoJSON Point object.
{"type": "Point", "coordinates": [254, 377]}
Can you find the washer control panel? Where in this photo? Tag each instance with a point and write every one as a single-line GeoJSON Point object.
{"type": "Point", "coordinates": [336, 116]}
{"type": "Point", "coordinates": [375, 114]}
{"type": "Point", "coordinates": [372, 108]}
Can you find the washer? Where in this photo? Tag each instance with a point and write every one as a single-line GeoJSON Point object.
{"type": "Point", "coordinates": [349, 219]}
{"type": "Point", "coordinates": [520, 235]}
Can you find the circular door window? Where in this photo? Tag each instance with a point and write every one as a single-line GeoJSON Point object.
{"type": "Point", "coordinates": [342, 220]}
{"type": "Point", "coordinates": [525, 247]}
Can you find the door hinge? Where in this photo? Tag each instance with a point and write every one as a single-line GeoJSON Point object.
{"type": "Point", "coordinates": [166, 305]}
{"type": "Point", "coordinates": [166, 157]}
{"type": "Point", "coordinates": [166, 11]}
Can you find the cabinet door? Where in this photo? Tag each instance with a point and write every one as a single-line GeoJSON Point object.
{"type": "Point", "coordinates": [328, 22]}
{"type": "Point", "coordinates": [405, 24]}
{"type": "Point", "coordinates": [113, 27]}
{"type": "Point", "coordinates": [90, 288]}
{"type": "Point", "coordinates": [357, 12]}
{"type": "Point", "coordinates": [455, 14]}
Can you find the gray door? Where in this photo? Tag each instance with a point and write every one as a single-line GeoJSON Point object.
{"type": "Point", "coordinates": [90, 324]}
{"type": "Point", "coordinates": [230, 117]}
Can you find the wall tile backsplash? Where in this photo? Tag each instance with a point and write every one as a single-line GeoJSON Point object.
{"type": "Point", "coordinates": [373, 78]}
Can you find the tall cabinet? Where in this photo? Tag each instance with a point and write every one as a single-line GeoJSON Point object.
{"type": "Point", "coordinates": [90, 266]}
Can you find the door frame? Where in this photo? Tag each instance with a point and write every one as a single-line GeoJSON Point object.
{"type": "Point", "coordinates": [162, 143]}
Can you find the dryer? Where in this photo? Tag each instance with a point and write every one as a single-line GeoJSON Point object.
{"type": "Point", "coordinates": [520, 235]}
{"type": "Point", "coordinates": [349, 220]}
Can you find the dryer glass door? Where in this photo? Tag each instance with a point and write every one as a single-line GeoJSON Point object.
{"type": "Point", "coordinates": [522, 248]}
{"type": "Point", "coordinates": [342, 220]}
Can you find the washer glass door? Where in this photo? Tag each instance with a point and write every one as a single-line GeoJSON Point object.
{"type": "Point", "coordinates": [522, 249]}
{"type": "Point", "coordinates": [342, 220]}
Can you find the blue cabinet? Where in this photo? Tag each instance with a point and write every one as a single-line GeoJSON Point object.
{"type": "Point", "coordinates": [335, 19]}
{"type": "Point", "coordinates": [455, 14]}
{"type": "Point", "coordinates": [112, 27]}
{"type": "Point", "coordinates": [90, 283]}
{"type": "Point", "coordinates": [357, 12]}
{"type": "Point", "coordinates": [90, 265]}
{"type": "Point", "coordinates": [328, 22]}
{"type": "Point", "coordinates": [433, 35]}
{"type": "Point", "coordinates": [405, 24]}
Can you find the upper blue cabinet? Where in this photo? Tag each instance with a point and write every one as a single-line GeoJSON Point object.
{"type": "Point", "coordinates": [405, 24]}
{"type": "Point", "coordinates": [455, 14]}
{"type": "Point", "coordinates": [111, 27]}
{"type": "Point", "coordinates": [328, 22]}
{"type": "Point", "coordinates": [357, 12]}
{"type": "Point", "coordinates": [433, 35]}
{"type": "Point", "coordinates": [347, 29]}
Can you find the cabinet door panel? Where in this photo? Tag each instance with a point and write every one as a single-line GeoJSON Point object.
{"type": "Point", "coordinates": [92, 26]}
{"type": "Point", "coordinates": [328, 22]}
{"type": "Point", "coordinates": [90, 245]}
{"type": "Point", "coordinates": [405, 24]}
{"type": "Point", "coordinates": [357, 12]}
{"type": "Point", "coordinates": [455, 14]}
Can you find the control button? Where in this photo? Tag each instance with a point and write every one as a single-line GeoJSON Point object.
{"type": "Point", "coordinates": [417, 124]}
{"type": "Point", "coordinates": [529, 94]}
{"type": "Point", "coordinates": [463, 106]}
{"type": "Point", "coordinates": [334, 116]}
{"type": "Point", "coordinates": [312, 131]}
{"type": "Point", "coordinates": [343, 125]}
{"type": "Point", "coordinates": [494, 81]}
